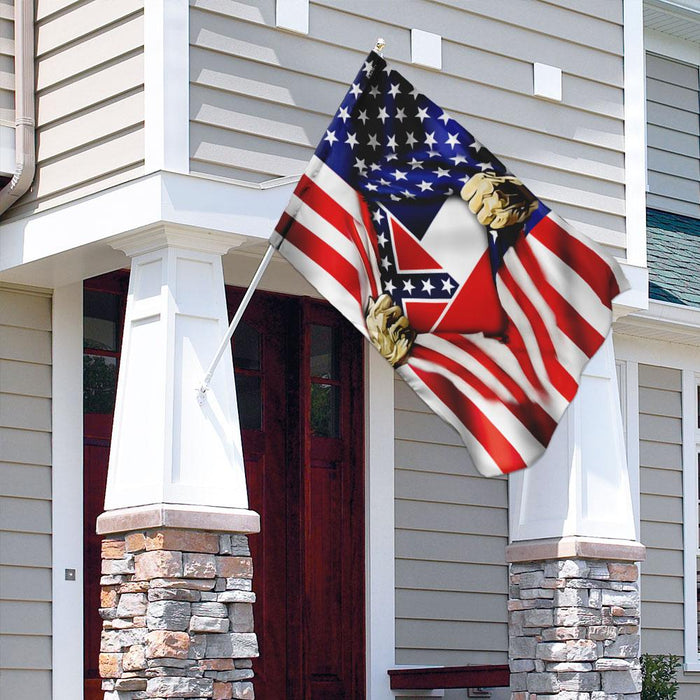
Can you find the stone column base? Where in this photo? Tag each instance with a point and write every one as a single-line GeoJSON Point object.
{"type": "Point", "coordinates": [573, 627]}
{"type": "Point", "coordinates": [177, 612]}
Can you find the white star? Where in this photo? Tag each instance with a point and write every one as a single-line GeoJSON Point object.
{"type": "Point", "coordinates": [427, 286]}
{"type": "Point", "coordinates": [465, 179]}
{"type": "Point", "coordinates": [415, 163]}
{"type": "Point", "coordinates": [363, 116]}
{"type": "Point", "coordinates": [394, 198]}
{"type": "Point", "coordinates": [398, 175]}
{"type": "Point", "coordinates": [452, 140]}
{"type": "Point", "coordinates": [374, 91]}
{"type": "Point", "coordinates": [382, 239]}
{"type": "Point", "coordinates": [360, 165]}
{"type": "Point", "coordinates": [425, 186]}
{"type": "Point", "coordinates": [414, 93]}
{"type": "Point", "coordinates": [485, 166]}
{"type": "Point", "coordinates": [330, 137]}
{"type": "Point", "coordinates": [351, 140]}
{"type": "Point", "coordinates": [394, 90]}
{"type": "Point", "coordinates": [447, 285]}
{"type": "Point", "coordinates": [400, 114]}
{"type": "Point", "coordinates": [389, 287]}
{"type": "Point", "coordinates": [408, 195]}
{"type": "Point", "coordinates": [422, 113]}
{"type": "Point", "coordinates": [375, 166]}
{"type": "Point", "coordinates": [450, 192]}
{"type": "Point", "coordinates": [430, 138]}
{"type": "Point", "coordinates": [343, 114]}
{"type": "Point", "coordinates": [444, 117]}
{"type": "Point", "coordinates": [373, 141]}
{"type": "Point", "coordinates": [355, 89]}
{"type": "Point", "coordinates": [377, 216]}
{"type": "Point", "coordinates": [476, 146]}
{"type": "Point", "coordinates": [383, 115]}
{"type": "Point", "coordinates": [384, 182]}
{"type": "Point", "coordinates": [411, 140]}
{"type": "Point", "coordinates": [392, 156]}
{"type": "Point", "coordinates": [441, 172]}
{"type": "Point", "coordinates": [392, 143]}
{"type": "Point", "coordinates": [367, 68]}
{"type": "Point", "coordinates": [371, 187]}
{"type": "Point", "coordinates": [385, 263]}
{"type": "Point", "coordinates": [408, 286]}
{"type": "Point", "coordinates": [433, 154]}
{"type": "Point", "coordinates": [458, 159]}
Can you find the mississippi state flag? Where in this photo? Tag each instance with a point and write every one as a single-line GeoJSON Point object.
{"type": "Point", "coordinates": [485, 302]}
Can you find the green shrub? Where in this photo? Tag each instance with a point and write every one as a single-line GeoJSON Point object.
{"type": "Point", "coordinates": [659, 676]}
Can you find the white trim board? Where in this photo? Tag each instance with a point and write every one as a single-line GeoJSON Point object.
{"type": "Point", "coordinates": [67, 491]}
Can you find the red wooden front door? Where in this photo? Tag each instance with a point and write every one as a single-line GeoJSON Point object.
{"type": "Point", "coordinates": [299, 382]}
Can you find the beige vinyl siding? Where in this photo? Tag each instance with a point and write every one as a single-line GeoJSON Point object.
{"type": "Point", "coordinates": [451, 534]}
{"type": "Point", "coordinates": [260, 97]}
{"type": "Point", "coordinates": [7, 63]}
{"type": "Point", "coordinates": [25, 494]}
{"type": "Point", "coordinates": [673, 136]}
{"type": "Point", "coordinates": [90, 102]}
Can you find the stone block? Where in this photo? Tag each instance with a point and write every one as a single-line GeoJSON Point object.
{"type": "Point", "coordinates": [534, 593]}
{"type": "Point", "coordinates": [625, 646]}
{"type": "Point", "coordinates": [113, 549]}
{"type": "Point", "coordinates": [240, 674]}
{"type": "Point", "coordinates": [182, 594]}
{"type": "Point", "coordinates": [563, 633]}
{"type": "Point", "coordinates": [606, 664]}
{"type": "Point", "coordinates": [621, 599]}
{"type": "Point", "coordinates": [135, 658]}
{"type": "Point", "coordinates": [243, 691]}
{"type": "Point", "coordinates": [599, 571]}
{"type": "Point", "coordinates": [117, 640]}
{"type": "Point", "coordinates": [108, 597]}
{"type": "Point", "coordinates": [595, 598]}
{"type": "Point", "coordinates": [569, 667]}
{"type": "Point", "coordinates": [571, 598]}
{"type": "Point", "coordinates": [135, 542]}
{"type": "Point", "coordinates": [622, 681]}
{"type": "Point", "coordinates": [521, 665]}
{"type": "Point", "coordinates": [222, 691]}
{"type": "Point", "coordinates": [551, 651]}
{"type": "Point", "coordinates": [602, 632]}
{"type": "Point", "coordinates": [216, 664]}
{"type": "Point", "coordinates": [236, 597]}
{"type": "Point", "coordinates": [210, 609]}
{"type": "Point", "coordinates": [538, 618]}
{"type": "Point", "coordinates": [566, 568]}
{"type": "Point", "coordinates": [208, 624]}
{"type": "Point", "coordinates": [576, 617]}
{"type": "Point", "coordinates": [110, 665]}
{"type": "Point", "coordinates": [132, 604]}
{"type": "Point", "coordinates": [581, 650]}
{"type": "Point", "coordinates": [127, 684]}
{"type": "Point", "coordinates": [182, 540]}
{"type": "Point", "coordinates": [199, 565]}
{"type": "Point", "coordinates": [623, 572]}
{"type": "Point", "coordinates": [585, 682]}
{"type": "Point", "coordinates": [198, 646]}
{"type": "Point", "coordinates": [533, 579]}
{"type": "Point", "coordinates": [180, 687]}
{"type": "Point", "coordinates": [543, 683]}
{"type": "Point", "coordinates": [111, 567]}
{"type": "Point", "coordinates": [192, 584]}
{"type": "Point", "coordinates": [168, 615]}
{"type": "Point", "coordinates": [158, 564]}
{"type": "Point", "coordinates": [241, 617]}
{"type": "Point", "coordinates": [518, 681]}
{"type": "Point", "coordinates": [167, 644]}
{"type": "Point", "coordinates": [239, 546]}
{"type": "Point", "coordinates": [133, 587]}
{"type": "Point", "coordinates": [522, 647]}
{"type": "Point", "coordinates": [231, 645]}
{"type": "Point", "coordinates": [234, 567]}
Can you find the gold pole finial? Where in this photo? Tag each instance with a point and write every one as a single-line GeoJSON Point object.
{"type": "Point", "coordinates": [379, 46]}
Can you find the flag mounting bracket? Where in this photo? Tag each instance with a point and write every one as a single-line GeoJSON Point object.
{"type": "Point", "coordinates": [202, 389]}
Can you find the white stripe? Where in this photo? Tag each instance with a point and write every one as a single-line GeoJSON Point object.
{"type": "Point", "coordinates": [511, 428]}
{"type": "Point", "coordinates": [463, 358]}
{"type": "Point", "coordinates": [572, 358]}
{"type": "Point", "coordinates": [558, 402]}
{"type": "Point", "coordinates": [481, 458]}
{"type": "Point", "coordinates": [571, 286]}
{"type": "Point", "coordinates": [334, 185]}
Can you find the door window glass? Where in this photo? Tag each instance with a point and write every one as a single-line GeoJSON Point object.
{"type": "Point", "coordinates": [325, 385]}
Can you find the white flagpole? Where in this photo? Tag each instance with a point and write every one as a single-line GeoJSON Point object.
{"type": "Point", "coordinates": [202, 389]}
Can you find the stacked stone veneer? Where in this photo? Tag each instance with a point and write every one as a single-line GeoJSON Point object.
{"type": "Point", "coordinates": [574, 630]}
{"type": "Point", "coordinates": [177, 616]}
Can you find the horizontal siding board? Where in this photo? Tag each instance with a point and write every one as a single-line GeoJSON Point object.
{"type": "Point", "coordinates": [25, 344]}
{"type": "Point", "coordinates": [454, 547]}
{"type": "Point", "coordinates": [670, 117]}
{"type": "Point", "coordinates": [676, 206]}
{"type": "Point", "coordinates": [424, 428]}
{"type": "Point", "coordinates": [663, 642]}
{"type": "Point", "coordinates": [671, 141]}
{"type": "Point", "coordinates": [660, 402]}
{"type": "Point", "coordinates": [24, 549]}
{"type": "Point", "coordinates": [448, 488]}
{"type": "Point", "coordinates": [662, 509]}
{"type": "Point", "coordinates": [663, 616]}
{"type": "Point", "coordinates": [25, 310]}
{"type": "Point", "coordinates": [25, 618]}
{"type": "Point", "coordinates": [14, 683]}
{"type": "Point", "coordinates": [662, 535]}
{"type": "Point", "coordinates": [25, 652]}
{"type": "Point", "coordinates": [671, 94]}
{"type": "Point", "coordinates": [24, 583]}
{"type": "Point", "coordinates": [673, 187]}
{"type": "Point", "coordinates": [28, 412]}
{"type": "Point", "coordinates": [24, 480]}
{"type": "Point", "coordinates": [684, 166]}
{"type": "Point", "coordinates": [660, 428]}
{"type": "Point", "coordinates": [670, 71]}
{"type": "Point", "coordinates": [25, 446]}
{"type": "Point", "coordinates": [661, 482]}
{"type": "Point", "coordinates": [660, 455]}
{"type": "Point", "coordinates": [453, 459]}
{"type": "Point", "coordinates": [452, 577]}
{"type": "Point", "coordinates": [452, 605]}
{"type": "Point", "coordinates": [662, 588]}
{"type": "Point", "coordinates": [441, 517]}
{"type": "Point", "coordinates": [449, 657]}
{"type": "Point", "coordinates": [25, 515]}
{"type": "Point", "coordinates": [446, 634]}
{"type": "Point", "coordinates": [662, 562]}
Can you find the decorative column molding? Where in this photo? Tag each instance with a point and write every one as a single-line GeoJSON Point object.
{"type": "Point", "coordinates": [166, 447]}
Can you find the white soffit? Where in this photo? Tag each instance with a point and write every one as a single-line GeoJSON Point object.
{"type": "Point", "coordinates": [680, 18]}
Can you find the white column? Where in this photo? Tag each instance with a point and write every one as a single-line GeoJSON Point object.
{"type": "Point", "coordinates": [580, 487]}
{"type": "Point", "coordinates": [166, 447]}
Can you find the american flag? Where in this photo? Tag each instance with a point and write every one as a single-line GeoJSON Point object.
{"type": "Point", "coordinates": [486, 302]}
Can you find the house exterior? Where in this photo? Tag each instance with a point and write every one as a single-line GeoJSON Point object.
{"type": "Point", "coordinates": [169, 137]}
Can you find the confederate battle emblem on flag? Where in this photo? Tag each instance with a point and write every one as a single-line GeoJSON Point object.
{"type": "Point", "coordinates": [487, 303]}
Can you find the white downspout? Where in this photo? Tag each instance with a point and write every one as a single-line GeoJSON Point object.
{"type": "Point", "coordinates": [24, 106]}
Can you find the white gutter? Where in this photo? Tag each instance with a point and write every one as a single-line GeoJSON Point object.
{"type": "Point", "coordinates": [24, 106]}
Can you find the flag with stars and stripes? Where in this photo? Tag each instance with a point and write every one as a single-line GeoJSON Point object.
{"type": "Point", "coordinates": [486, 302]}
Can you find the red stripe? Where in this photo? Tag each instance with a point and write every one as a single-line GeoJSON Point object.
{"type": "Point", "coordinates": [489, 437]}
{"type": "Point", "coordinates": [562, 381]}
{"type": "Point", "coordinates": [322, 254]}
{"type": "Point", "coordinates": [586, 262]}
{"type": "Point", "coordinates": [328, 208]}
{"type": "Point", "coordinates": [567, 317]}
{"type": "Point", "coordinates": [536, 421]}
{"type": "Point", "coordinates": [536, 414]}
